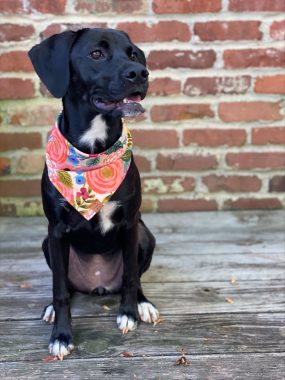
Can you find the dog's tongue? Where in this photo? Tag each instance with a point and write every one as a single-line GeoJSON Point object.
{"type": "Point", "coordinates": [130, 107]}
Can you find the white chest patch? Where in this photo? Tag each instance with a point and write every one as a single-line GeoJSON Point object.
{"type": "Point", "coordinates": [105, 216]}
{"type": "Point", "coordinates": [96, 132]}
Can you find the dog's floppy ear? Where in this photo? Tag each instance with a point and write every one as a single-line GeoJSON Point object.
{"type": "Point", "coordinates": [50, 59]}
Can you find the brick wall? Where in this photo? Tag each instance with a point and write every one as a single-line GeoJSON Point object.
{"type": "Point", "coordinates": [213, 134]}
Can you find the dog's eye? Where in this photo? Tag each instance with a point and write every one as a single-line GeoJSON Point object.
{"type": "Point", "coordinates": [97, 54]}
{"type": "Point", "coordinates": [134, 56]}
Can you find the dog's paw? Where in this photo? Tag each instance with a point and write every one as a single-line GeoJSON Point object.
{"type": "Point", "coordinates": [59, 348]}
{"type": "Point", "coordinates": [48, 314]}
{"type": "Point", "coordinates": [126, 323]}
{"type": "Point", "coordinates": [148, 312]}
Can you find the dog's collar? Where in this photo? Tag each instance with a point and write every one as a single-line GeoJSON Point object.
{"type": "Point", "coordinates": [87, 181]}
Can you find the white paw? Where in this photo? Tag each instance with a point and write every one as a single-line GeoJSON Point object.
{"type": "Point", "coordinates": [148, 313]}
{"type": "Point", "coordinates": [59, 349]}
{"type": "Point", "coordinates": [49, 314]}
{"type": "Point", "coordinates": [125, 323]}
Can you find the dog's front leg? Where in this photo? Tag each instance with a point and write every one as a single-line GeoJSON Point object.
{"type": "Point", "coordinates": [61, 338]}
{"type": "Point", "coordinates": [128, 316]}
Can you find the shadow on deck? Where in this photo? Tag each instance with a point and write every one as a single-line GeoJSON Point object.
{"type": "Point", "coordinates": [217, 279]}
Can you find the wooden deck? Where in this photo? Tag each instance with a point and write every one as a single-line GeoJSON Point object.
{"type": "Point", "coordinates": [203, 262]}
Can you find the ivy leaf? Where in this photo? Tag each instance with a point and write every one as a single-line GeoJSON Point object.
{"type": "Point", "coordinates": [65, 178]}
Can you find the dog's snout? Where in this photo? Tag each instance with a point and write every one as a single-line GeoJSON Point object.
{"type": "Point", "coordinates": [136, 74]}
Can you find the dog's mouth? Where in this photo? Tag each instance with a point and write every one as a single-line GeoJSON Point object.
{"type": "Point", "coordinates": [129, 106]}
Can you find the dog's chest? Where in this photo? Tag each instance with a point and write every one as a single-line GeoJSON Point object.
{"type": "Point", "coordinates": [105, 216]}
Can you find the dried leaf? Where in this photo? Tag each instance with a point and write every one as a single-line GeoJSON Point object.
{"type": "Point", "coordinates": [182, 360]}
{"type": "Point", "coordinates": [158, 321]}
{"type": "Point", "coordinates": [229, 300]}
{"type": "Point", "coordinates": [126, 354]}
{"type": "Point", "coordinates": [26, 286]}
{"type": "Point", "coordinates": [49, 359]}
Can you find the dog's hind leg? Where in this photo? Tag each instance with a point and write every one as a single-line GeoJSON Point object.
{"type": "Point", "coordinates": [147, 310]}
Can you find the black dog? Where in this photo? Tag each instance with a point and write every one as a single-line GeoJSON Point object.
{"type": "Point", "coordinates": [101, 76]}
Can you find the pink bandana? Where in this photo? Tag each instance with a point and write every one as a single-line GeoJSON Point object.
{"type": "Point", "coordinates": [87, 181]}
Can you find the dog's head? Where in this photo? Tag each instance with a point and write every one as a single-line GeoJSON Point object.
{"type": "Point", "coordinates": [99, 66]}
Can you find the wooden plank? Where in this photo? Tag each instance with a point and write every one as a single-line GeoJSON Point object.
{"type": "Point", "coordinates": [214, 367]}
{"type": "Point", "coordinates": [173, 267]}
{"type": "Point", "coordinates": [99, 337]}
{"type": "Point", "coordinates": [170, 298]}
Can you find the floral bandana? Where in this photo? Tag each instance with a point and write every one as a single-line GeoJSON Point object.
{"type": "Point", "coordinates": [87, 181]}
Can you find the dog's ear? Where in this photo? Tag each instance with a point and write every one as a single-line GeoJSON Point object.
{"type": "Point", "coordinates": [50, 59]}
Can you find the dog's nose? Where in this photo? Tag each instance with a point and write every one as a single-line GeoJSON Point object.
{"type": "Point", "coordinates": [136, 74]}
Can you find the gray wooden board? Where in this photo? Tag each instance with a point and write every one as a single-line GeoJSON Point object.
{"type": "Point", "coordinates": [173, 267]}
{"type": "Point", "coordinates": [267, 366]}
{"type": "Point", "coordinates": [170, 298]}
{"type": "Point", "coordinates": [200, 334]}
{"type": "Point", "coordinates": [196, 255]}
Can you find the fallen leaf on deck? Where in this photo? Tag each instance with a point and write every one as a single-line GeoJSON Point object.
{"type": "Point", "coordinates": [182, 360]}
{"type": "Point", "coordinates": [26, 286]}
{"type": "Point", "coordinates": [126, 354]}
{"type": "Point", "coordinates": [229, 300]}
{"type": "Point", "coordinates": [50, 359]}
{"type": "Point", "coordinates": [158, 321]}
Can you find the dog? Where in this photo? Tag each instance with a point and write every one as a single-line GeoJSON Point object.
{"type": "Point", "coordinates": [96, 246]}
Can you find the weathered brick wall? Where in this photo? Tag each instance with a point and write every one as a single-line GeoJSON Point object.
{"type": "Point", "coordinates": [213, 134]}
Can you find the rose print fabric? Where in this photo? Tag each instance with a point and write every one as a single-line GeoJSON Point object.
{"type": "Point", "coordinates": [87, 181]}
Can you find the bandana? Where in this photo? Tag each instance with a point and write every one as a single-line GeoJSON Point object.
{"type": "Point", "coordinates": [87, 181]}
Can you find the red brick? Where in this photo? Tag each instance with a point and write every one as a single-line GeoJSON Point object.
{"type": "Point", "coordinates": [235, 59]}
{"type": "Point", "coordinates": [167, 184]}
{"type": "Point", "coordinates": [274, 84]}
{"type": "Point", "coordinates": [214, 137]}
{"type": "Point", "coordinates": [5, 166]}
{"type": "Point", "coordinates": [158, 32]}
{"type": "Point", "coordinates": [148, 205]}
{"type": "Point", "coordinates": [159, 138]}
{"type": "Point", "coordinates": [16, 88]}
{"type": "Point", "coordinates": [181, 161]}
{"type": "Point", "coordinates": [250, 111]}
{"type": "Point", "coordinates": [11, 141]}
{"type": "Point", "coordinates": [11, 6]}
{"type": "Point", "coordinates": [46, 6]}
{"type": "Point", "coordinates": [32, 163]}
{"type": "Point", "coordinates": [277, 184]}
{"type": "Point", "coordinates": [257, 5]}
{"type": "Point", "coordinates": [20, 188]}
{"type": "Point", "coordinates": [228, 30]}
{"type": "Point", "coordinates": [268, 135]}
{"type": "Point", "coordinates": [184, 205]}
{"type": "Point", "coordinates": [232, 184]}
{"type": "Point", "coordinates": [277, 30]}
{"type": "Point", "coordinates": [8, 209]}
{"type": "Point", "coordinates": [201, 59]}
{"type": "Point", "coordinates": [14, 32]}
{"type": "Point", "coordinates": [253, 204]}
{"type": "Point", "coordinates": [43, 115]}
{"type": "Point", "coordinates": [143, 164]}
{"type": "Point", "coordinates": [186, 6]}
{"type": "Point", "coordinates": [200, 86]}
{"type": "Point", "coordinates": [58, 28]}
{"type": "Point", "coordinates": [110, 6]}
{"type": "Point", "coordinates": [181, 112]}
{"type": "Point", "coordinates": [15, 61]}
{"type": "Point", "coordinates": [256, 160]}
{"type": "Point", "coordinates": [164, 86]}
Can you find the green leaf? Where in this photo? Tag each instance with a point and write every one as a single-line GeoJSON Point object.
{"type": "Point", "coordinates": [65, 178]}
{"type": "Point", "coordinates": [92, 161]}
{"type": "Point", "coordinates": [127, 155]}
